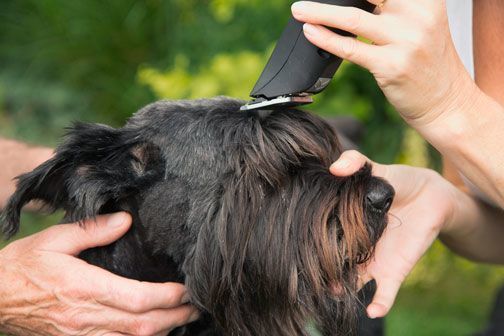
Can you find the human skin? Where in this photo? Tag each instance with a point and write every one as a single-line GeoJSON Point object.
{"type": "Point", "coordinates": [46, 290]}
{"type": "Point", "coordinates": [418, 69]}
{"type": "Point", "coordinates": [426, 206]}
{"type": "Point", "coordinates": [488, 64]}
{"type": "Point", "coordinates": [17, 158]}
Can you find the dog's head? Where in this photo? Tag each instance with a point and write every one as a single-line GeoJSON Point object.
{"type": "Point", "coordinates": [265, 237]}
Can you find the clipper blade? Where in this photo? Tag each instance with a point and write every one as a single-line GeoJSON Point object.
{"type": "Point", "coordinates": [277, 103]}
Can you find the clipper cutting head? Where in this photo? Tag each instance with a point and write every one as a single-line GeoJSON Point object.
{"type": "Point", "coordinates": [276, 103]}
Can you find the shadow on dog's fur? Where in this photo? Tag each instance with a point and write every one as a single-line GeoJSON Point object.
{"type": "Point", "coordinates": [239, 207]}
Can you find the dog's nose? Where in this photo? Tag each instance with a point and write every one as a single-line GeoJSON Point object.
{"type": "Point", "coordinates": [380, 196]}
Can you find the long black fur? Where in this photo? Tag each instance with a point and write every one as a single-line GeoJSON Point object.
{"type": "Point", "coordinates": [238, 206]}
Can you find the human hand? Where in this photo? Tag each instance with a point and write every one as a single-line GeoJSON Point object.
{"type": "Point", "coordinates": [46, 290]}
{"type": "Point", "coordinates": [423, 205]}
{"type": "Point", "coordinates": [412, 56]}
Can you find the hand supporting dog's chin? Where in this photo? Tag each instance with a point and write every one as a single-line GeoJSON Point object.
{"type": "Point", "coordinates": [45, 290]}
{"type": "Point", "coordinates": [413, 223]}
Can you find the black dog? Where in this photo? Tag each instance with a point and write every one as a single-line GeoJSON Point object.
{"type": "Point", "coordinates": [239, 206]}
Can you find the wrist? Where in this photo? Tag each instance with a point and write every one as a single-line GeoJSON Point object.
{"type": "Point", "coordinates": [450, 119]}
{"type": "Point", "coordinates": [458, 216]}
{"type": "Point", "coordinates": [467, 133]}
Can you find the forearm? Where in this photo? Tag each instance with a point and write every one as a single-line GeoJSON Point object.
{"type": "Point", "coordinates": [489, 71]}
{"type": "Point", "coordinates": [488, 39]}
{"type": "Point", "coordinates": [475, 231]}
{"type": "Point", "coordinates": [17, 158]}
{"type": "Point", "coordinates": [471, 135]}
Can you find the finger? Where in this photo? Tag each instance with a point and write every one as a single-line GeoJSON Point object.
{"type": "Point", "coordinates": [384, 298]}
{"type": "Point", "coordinates": [379, 5]}
{"type": "Point", "coordinates": [351, 161]}
{"type": "Point", "coordinates": [153, 322]}
{"type": "Point", "coordinates": [346, 47]}
{"type": "Point", "coordinates": [163, 333]}
{"type": "Point", "coordinates": [73, 239]}
{"type": "Point", "coordinates": [350, 19]}
{"type": "Point", "coordinates": [377, 2]}
{"type": "Point", "coordinates": [348, 163]}
{"type": "Point", "coordinates": [157, 321]}
{"type": "Point", "coordinates": [174, 318]}
{"type": "Point", "coordinates": [136, 296]}
{"type": "Point", "coordinates": [363, 276]}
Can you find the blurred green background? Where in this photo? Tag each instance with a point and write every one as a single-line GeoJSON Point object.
{"type": "Point", "coordinates": [101, 61]}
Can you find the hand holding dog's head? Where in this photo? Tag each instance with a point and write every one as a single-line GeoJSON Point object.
{"type": "Point", "coordinates": [245, 205]}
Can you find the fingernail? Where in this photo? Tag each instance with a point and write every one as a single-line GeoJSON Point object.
{"type": "Point", "coordinates": [186, 298]}
{"type": "Point", "coordinates": [310, 29]}
{"type": "Point", "coordinates": [194, 316]}
{"type": "Point", "coordinates": [297, 7]}
{"type": "Point", "coordinates": [341, 164]}
{"type": "Point", "coordinates": [371, 313]}
{"type": "Point", "coordinates": [116, 220]}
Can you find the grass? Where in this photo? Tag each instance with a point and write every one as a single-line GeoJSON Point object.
{"type": "Point", "coordinates": [456, 307]}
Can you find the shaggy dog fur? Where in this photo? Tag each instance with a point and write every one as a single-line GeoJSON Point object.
{"type": "Point", "coordinates": [238, 206]}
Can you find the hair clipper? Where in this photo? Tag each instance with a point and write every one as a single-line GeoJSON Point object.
{"type": "Point", "coordinates": [297, 69]}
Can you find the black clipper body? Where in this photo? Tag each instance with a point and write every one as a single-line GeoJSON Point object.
{"type": "Point", "coordinates": [297, 69]}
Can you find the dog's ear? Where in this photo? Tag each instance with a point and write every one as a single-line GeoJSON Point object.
{"type": "Point", "coordinates": [94, 165]}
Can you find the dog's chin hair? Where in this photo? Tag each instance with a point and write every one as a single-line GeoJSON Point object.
{"type": "Point", "coordinates": [269, 270]}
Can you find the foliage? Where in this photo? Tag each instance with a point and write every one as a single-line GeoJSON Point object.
{"type": "Point", "coordinates": [95, 48]}
{"type": "Point", "coordinates": [219, 77]}
{"type": "Point", "coordinates": [101, 61]}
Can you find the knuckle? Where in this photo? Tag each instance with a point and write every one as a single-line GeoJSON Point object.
{"type": "Point", "coordinates": [403, 65]}
{"type": "Point", "coordinates": [69, 290]}
{"type": "Point", "coordinates": [415, 39]}
{"type": "Point", "coordinates": [355, 156]}
{"type": "Point", "coordinates": [75, 322]}
{"type": "Point", "coordinates": [43, 236]}
{"type": "Point", "coordinates": [328, 43]}
{"type": "Point", "coordinates": [56, 317]}
{"type": "Point", "coordinates": [179, 320]}
{"type": "Point", "coordinates": [354, 19]}
{"type": "Point", "coordinates": [138, 303]}
{"type": "Point", "coordinates": [430, 173]}
{"type": "Point", "coordinates": [348, 48]}
{"type": "Point", "coordinates": [47, 236]}
{"type": "Point", "coordinates": [416, 44]}
{"type": "Point", "coordinates": [14, 249]}
{"type": "Point", "coordinates": [429, 21]}
{"type": "Point", "coordinates": [68, 321]}
{"type": "Point", "coordinates": [173, 296]}
{"type": "Point", "coordinates": [53, 230]}
{"type": "Point", "coordinates": [352, 152]}
{"type": "Point", "coordinates": [142, 327]}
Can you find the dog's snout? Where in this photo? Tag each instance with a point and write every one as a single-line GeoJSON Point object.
{"type": "Point", "coordinates": [380, 196]}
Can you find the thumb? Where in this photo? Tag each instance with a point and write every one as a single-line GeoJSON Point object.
{"type": "Point", "coordinates": [74, 238]}
{"type": "Point", "coordinates": [348, 163]}
{"type": "Point", "coordinates": [384, 298]}
{"type": "Point", "coordinates": [352, 161]}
